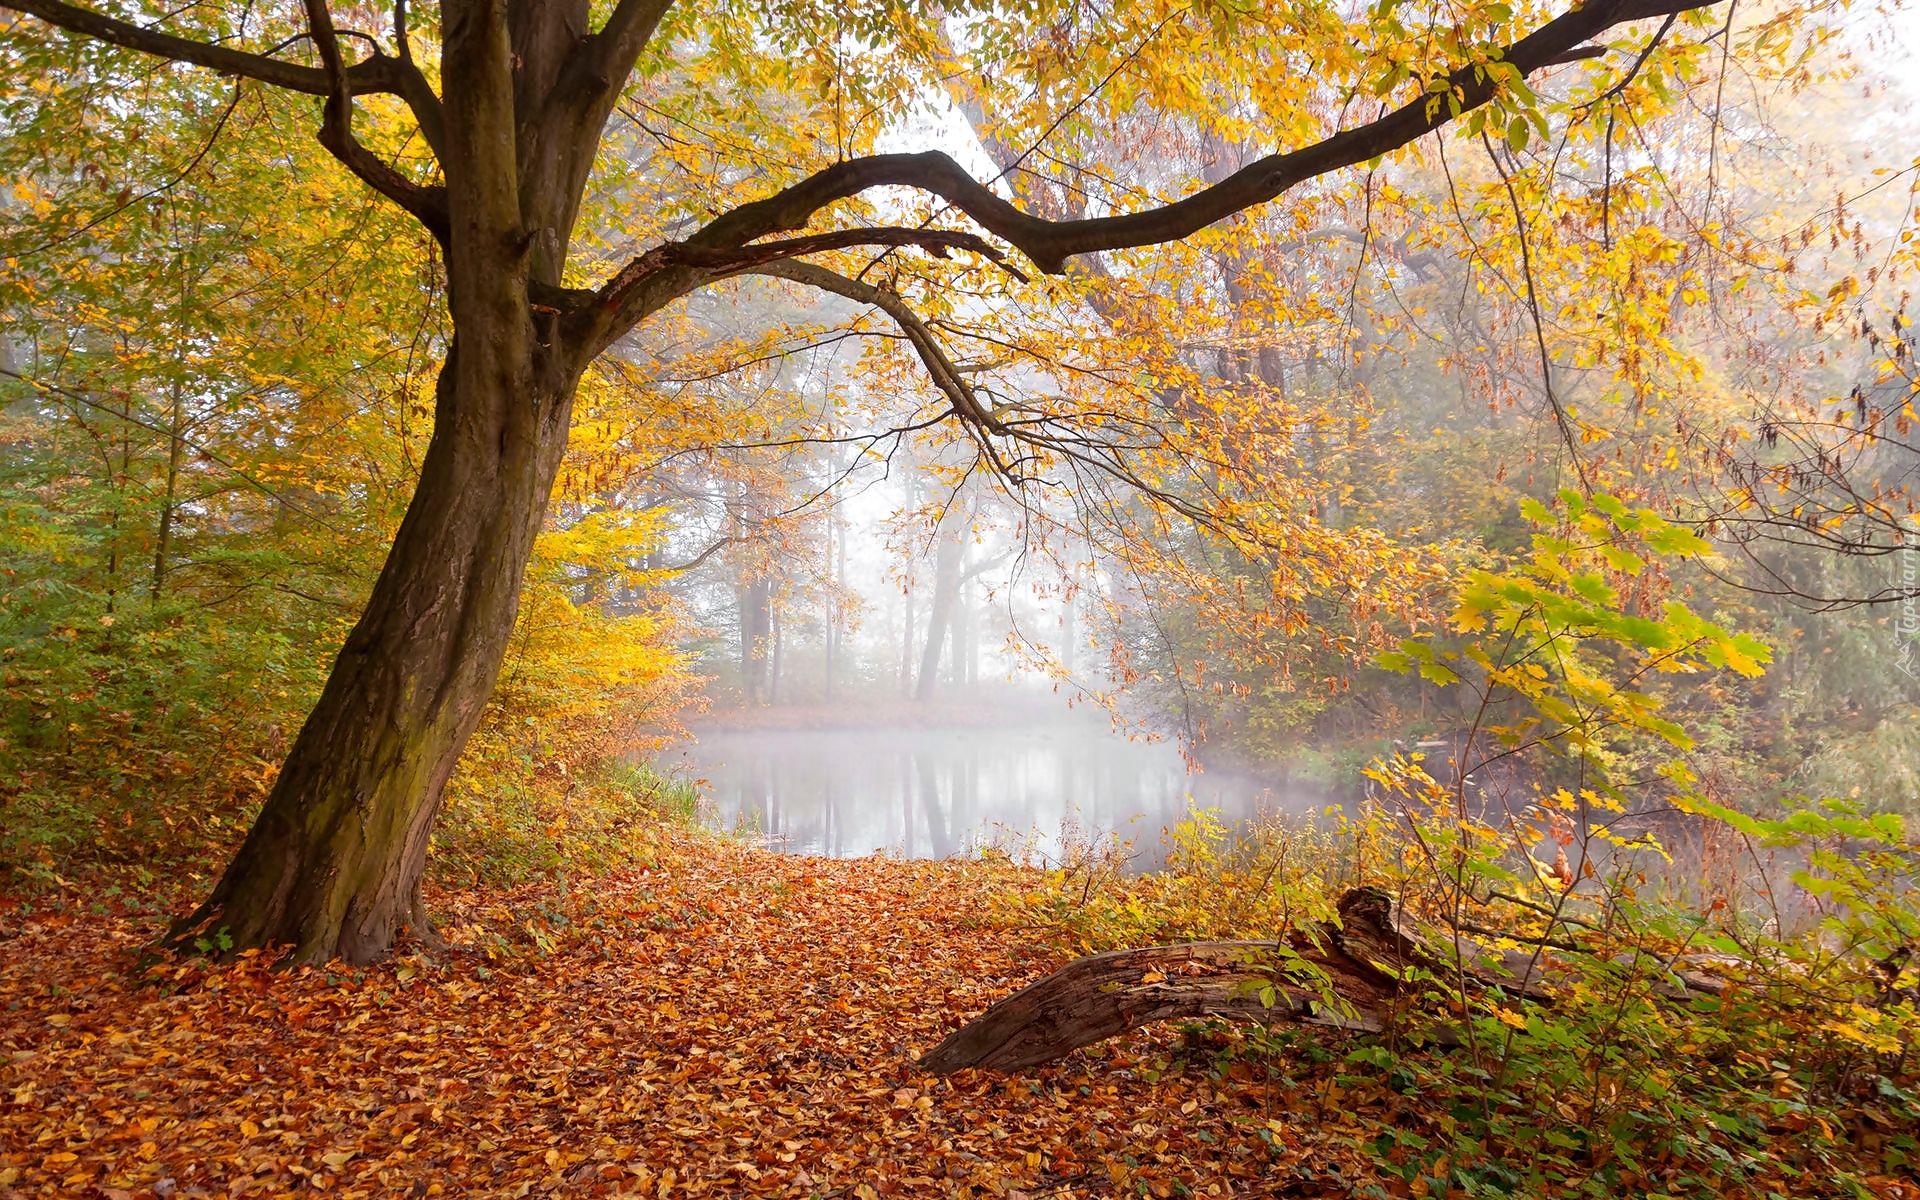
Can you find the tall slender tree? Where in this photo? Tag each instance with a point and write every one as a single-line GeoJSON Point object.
{"type": "Point", "coordinates": [513, 98]}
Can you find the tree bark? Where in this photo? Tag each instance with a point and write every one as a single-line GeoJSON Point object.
{"type": "Point", "coordinates": [1092, 999]}
{"type": "Point", "coordinates": [1363, 958]}
{"type": "Point", "coordinates": [332, 865]}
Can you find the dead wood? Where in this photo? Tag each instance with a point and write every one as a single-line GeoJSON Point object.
{"type": "Point", "coordinates": [1364, 957]}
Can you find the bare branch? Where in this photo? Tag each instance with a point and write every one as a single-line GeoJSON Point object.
{"type": "Point", "coordinates": [1050, 243]}
{"type": "Point", "coordinates": [696, 560]}
{"type": "Point", "coordinates": [947, 377]}
{"type": "Point", "coordinates": [983, 423]}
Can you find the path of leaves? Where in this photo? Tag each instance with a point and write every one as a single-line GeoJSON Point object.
{"type": "Point", "coordinates": [736, 1023]}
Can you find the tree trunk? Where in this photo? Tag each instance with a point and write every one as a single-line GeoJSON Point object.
{"type": "Point", "coordinates": [773, 674]}
{"type": "Point", "coordinates": [906, 642]}
{"type": "Point", "coordinates": [969, 636]}
{"type": "Point", "coordinates": [163, 538]}
{"type": "Point", "coordinates": [837, 579]}
{"type": "Point", "coordinates": [1092, 999]}
{"type": "Point", "coordinates": [332, 865]}
{"type": "Point", "coordinates": [756, 631]}
{"type": "Point", "coordinates": [946, 585]}
{"type": "Point", "coordinates": [1070, 640]}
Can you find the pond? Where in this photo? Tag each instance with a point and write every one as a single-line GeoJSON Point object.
{"type": "Point", "coordinates": [935, 793]}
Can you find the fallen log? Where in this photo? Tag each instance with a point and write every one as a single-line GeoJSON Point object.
{"type": "Point", "coordinates": [1360, 962]}
{"type": "Point", "coordinates": [1092, 999]}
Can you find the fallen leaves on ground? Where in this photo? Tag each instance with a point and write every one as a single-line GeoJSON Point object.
{"type": "Point", "coordinates": [734, 1022]}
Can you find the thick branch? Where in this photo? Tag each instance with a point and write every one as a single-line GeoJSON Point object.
{"type": "Point", "coordinates": [669, 271]}
{"type": "Point", "coordinates": [1050, 243]}
{"type": "Point", "coordinates": [379, 74]}
{"type": "Point", "coordinates": [605, 58]}
{"type": "Point", "coordinates": [566, 83]}
{"type": "Point", "coordinates": [427, 204]}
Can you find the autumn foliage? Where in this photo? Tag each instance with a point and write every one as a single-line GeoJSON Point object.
{"type": "Point", "coordinates": [1503, 412]}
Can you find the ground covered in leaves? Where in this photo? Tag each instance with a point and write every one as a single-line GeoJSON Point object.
{"type": "Point", "coordinates": [729, 1022]}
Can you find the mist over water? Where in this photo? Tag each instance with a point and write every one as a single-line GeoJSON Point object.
{"type": "Point", "coordinates": [937, 792]}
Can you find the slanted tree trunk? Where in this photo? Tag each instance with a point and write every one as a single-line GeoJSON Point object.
{"type": "Point", "coordinates": [333, 863]}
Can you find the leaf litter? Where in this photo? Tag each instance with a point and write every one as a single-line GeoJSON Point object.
{"type": "Point", "coordinates": [729, 1022]}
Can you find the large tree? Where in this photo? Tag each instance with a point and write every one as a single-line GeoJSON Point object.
{"type": "Point", "coordinates": [513, 98]}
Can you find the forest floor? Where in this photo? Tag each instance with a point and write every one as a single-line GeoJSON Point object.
{"type": "Point", "coordinates": [729, 1022]}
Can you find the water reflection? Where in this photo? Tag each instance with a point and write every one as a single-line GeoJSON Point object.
{"type": "Point", "coordinates": [933, 793]}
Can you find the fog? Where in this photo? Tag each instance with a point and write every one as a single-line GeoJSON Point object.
{"type": "Point", "coordinates": [1026, 783]}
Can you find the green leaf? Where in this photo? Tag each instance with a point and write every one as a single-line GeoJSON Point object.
{"type": "Point", "coordinates": [1517, 133]}
{"type": "Point", "coordinates": [1623, 560]}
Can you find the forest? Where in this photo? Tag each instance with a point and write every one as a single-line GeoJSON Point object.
{"type": "Point", "coordinates": [996, 598]}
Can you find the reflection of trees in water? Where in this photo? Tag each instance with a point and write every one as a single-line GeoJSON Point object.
{"type": "Point", "coordinates": [940, 814]}
{"type": "Point", "coordinates": [929, 793]}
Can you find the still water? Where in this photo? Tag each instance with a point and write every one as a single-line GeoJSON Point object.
{"type": "Point", "coordinates": [933, 793]}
